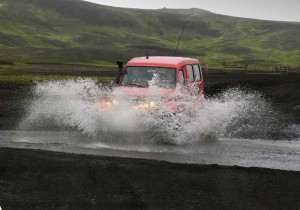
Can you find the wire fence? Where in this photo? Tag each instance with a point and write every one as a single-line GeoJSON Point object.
{"type": "Point", "coordinates": [254, 69]}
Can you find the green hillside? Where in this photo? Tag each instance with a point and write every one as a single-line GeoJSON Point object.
{"type": "Point", "coordinates": [74, 31]}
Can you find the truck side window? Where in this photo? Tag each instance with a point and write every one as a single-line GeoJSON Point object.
{"type": "Point", "coordinates": [197, 72]}
{"type": "Point", "coordinates": [190, 72]}
{"type": "Point", "coordinates": [180, 77]}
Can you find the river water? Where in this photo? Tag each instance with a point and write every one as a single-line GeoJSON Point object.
{"type": "Point", "coordinates": [237, 127]}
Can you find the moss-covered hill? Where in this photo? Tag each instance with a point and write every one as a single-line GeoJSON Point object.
{"type": "Point", "coordinates": [74, 31]}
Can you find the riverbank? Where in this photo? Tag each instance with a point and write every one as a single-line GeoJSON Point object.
{"type": "Point", "coordinates": [33, 179]}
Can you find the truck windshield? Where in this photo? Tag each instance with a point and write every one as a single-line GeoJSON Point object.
{"type": "Point", "coordinates": [141, 76]}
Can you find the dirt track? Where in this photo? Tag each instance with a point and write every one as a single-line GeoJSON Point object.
{"type": "Point", "coordinates": [46, 180]}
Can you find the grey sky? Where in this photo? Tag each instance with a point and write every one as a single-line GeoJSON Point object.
{"type": "Point", "coordinates": [284, 10]}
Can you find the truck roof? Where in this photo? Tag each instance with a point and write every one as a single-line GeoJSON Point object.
{"type": "Point", "coordinates": [162, 61]}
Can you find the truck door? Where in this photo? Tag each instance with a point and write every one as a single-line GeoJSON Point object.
{"type": "Point", "coordinates": [192, 84]}
{"type": "Point", "coordinates": [198, 77]}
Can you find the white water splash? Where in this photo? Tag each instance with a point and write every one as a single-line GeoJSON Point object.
{"type": "Point", "coordinates": [74, 104]}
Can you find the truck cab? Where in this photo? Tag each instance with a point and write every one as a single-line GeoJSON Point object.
{"type": "Point", "coordinates": [169, 71]}
{"type": "Point", "coordinates": [159, 82]}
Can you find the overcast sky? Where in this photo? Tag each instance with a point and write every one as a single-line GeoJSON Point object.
{"type": "Point", "coordinates": [284, 10]}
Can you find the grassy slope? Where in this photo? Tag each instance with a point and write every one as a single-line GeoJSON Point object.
{"type": "Point", "coordinates": [73, 31]}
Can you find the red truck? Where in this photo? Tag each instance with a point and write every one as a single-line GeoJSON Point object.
{"type": "Point", "coordinates": [149, 81]}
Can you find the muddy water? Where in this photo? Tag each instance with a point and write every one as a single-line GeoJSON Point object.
{"type": "Point", "coordinates": [282, 154]}
{"type": "Point", "coordinates": [235, 127]}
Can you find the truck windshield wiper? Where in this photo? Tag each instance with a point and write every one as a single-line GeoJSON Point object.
{"type": "Point", "coordinates": [135, 84]}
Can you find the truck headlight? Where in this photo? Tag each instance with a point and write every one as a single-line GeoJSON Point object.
{"type": "Point", "coordinates": [146, 106]}
{"type": "Point", "coordinates": [108, 104]}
